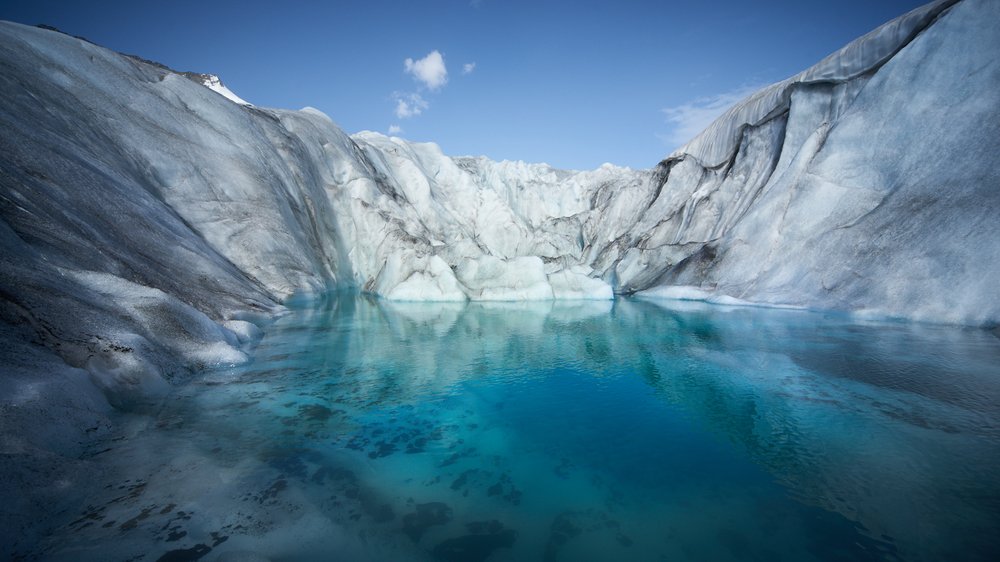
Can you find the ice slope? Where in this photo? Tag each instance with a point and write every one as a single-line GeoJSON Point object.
{"type": "Point", "coordinates": [718, 142]}
{"type": "Point", "coordinates": [868, 184]}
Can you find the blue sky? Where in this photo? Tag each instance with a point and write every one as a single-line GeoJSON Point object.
{"type": "Point", "coordinates": [574, 84]}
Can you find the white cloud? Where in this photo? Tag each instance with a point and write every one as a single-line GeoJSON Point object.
{"type": "Point", "coordinates": [468, 67]}
{"type": "Point", "coordinates": [395, 129]}
{"type": "Point", "coordinates": [429, 70]}
{"type": "Point", "coordinates": [691, 118]}
{"type": "Point", "coordinates": [409, 105]}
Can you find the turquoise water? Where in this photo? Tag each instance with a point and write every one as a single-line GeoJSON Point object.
{"type": "Point", "coordinates": [633, 430]}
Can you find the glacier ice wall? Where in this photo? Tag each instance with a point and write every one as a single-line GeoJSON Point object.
{"type": "Point", "coordinates": [868, 189]}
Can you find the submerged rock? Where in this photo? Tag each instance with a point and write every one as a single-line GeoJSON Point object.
{"type": "Point", "coordinates": [427, 515]}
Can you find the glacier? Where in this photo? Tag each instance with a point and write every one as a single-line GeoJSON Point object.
{"type": "Point", "coordinates": [153, 222]}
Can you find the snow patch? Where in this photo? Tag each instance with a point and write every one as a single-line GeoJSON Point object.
{"type": "Point", "coordinates": [215, 84]}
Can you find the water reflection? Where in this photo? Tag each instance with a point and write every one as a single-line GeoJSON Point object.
{"type": "Point", "coordinates": [567, 431]}
{"type": "Point", "coordinates": [892, 425]}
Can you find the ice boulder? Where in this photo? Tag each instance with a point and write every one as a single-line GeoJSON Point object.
{"type": "Point", "coordinates": [490, 278]}
{"type": "Point", "coordinates": [407, 276]}
{"type": "Point", "coordinates": [577, 283]}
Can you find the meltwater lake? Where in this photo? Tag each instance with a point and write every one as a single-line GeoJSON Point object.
{"type": "Point", "coordinates": [585, 431]}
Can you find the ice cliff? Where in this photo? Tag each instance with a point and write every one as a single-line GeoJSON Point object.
{"type": "Point", "coordinates": [152, 220]}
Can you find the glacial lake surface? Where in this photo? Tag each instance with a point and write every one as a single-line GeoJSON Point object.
{"type": "Point", "coordinates": [365, 430]}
